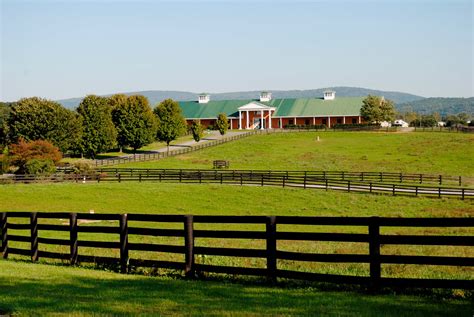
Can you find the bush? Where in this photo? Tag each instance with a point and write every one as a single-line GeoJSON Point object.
{"type": "Point", "coordinates": [82, 167]}
{"type": "Point", "coordinates": [23, 152]}
{"type": "Point", "coordinates": [40, 167]}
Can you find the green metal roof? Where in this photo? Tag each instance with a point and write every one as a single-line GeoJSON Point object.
{"type": "Point", "coordinates": [210, 110]}
{"type": "Point", "coordinates": [342, 106]}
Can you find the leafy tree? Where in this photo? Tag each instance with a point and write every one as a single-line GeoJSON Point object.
{"type": "Point", "coordinates": [427, 121]}
{"type": "Point", "coordinates": [171, 123]}
{"type": "Point", "coordinates": [377, 109]}
{"type": "Point", "coordinates": [197, 130]}
{"type": "Point", "coordinates": [4, 114]}
{"type": "Point", "coordinates": [98, 131]}
{"type": "Point", "coordinates": [41, 119]}
{"type": "Point", "coordinates": [222, 123]}
{"type": "Point", "coordinates": [4, 160]}
{"type": "Point", "coordinates": [134, 121]}
{"type": "Point", "coordinates": [23, 152]}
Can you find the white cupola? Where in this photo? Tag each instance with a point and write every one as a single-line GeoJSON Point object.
{"type": "Point", "coordinates": [329, 95]}
{"type": "Point", "coordinates": [204, 98]}
{"type": "Point", "coordinates": [265, 96]}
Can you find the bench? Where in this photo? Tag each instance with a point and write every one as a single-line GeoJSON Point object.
{"type": "Point", "coordinates": [221, 164]}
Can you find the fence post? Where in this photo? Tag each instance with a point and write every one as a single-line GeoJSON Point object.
{"type": "Point", "coordinates": [421, 178]}
{"type": "Point", "coordinates": [119, 178]}
{"type": "Point", "coordinates": [326, 184]}
{"type": "Point", "coordinates": [416, 191]}
{"type": "Point", "coordinates": [462, 195]}
{"type": "Point", "coordinates": [401, 177]}
{"type": "Point", "coordinates": [374, 253]}
{"type": "Point", "coordinates": [140, 177]}
{"type": "Point", "coordinates": [271, 248]}
{"type": "Point", "coordinates": [73, 238]}
{"type": "Point", "coordinates": [459, 180]}
{"type": "Point", "coordinates": [189, 246]}
{"type": "Point", "coordinates": [440, 179]}
{"type": "Point", "coordinates": [123, 243]}
{"type": "Point", "coordinates": [180, 175]}
{"type": "Point", "coordinates": [262, 179]}
{"type": "Point", "coordinates": [370, 187]}
{"type": "Point", "coordinates": [439, 192]}
{"type": "Point", "coordinates": [241, 179]}
{"type": "Point", "coordinates": [4, 234]}
{"type": "Point", "coordinates": [349, 186]}
{"type": "Point", "coordinates": [304, 180]}
{"type": "Point", "coordinates": [34, 236]}
{"type": "Point", "coordinates": [284, 178]}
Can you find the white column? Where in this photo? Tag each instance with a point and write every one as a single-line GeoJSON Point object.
{"type": "Point", "coordinates": [231, 123]}
{"type": "Point", "coordinates": [247, 120]}
{"type": "Point", "coordinates": [261, 120]}
{"type": "Point", "coordinates": [329, 122]}
{"type": "Point", "coordinates": [343, 120]}
{"type": "Point", "coordinates": [295, 120]}
{"type": "Point", "coordinates": [359, 119]}
{"type": "Point", "coordinates": [281, 123]}
{"type": "Point", "coordinates": [240, 120]}
{"type": "Point", "coordinates": [314, 120]}
{"type": "Point", "coordinates": [269, 119]}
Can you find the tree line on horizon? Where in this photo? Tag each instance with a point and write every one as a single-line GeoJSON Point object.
{"type": "Point", "coordinates": [97, 125]}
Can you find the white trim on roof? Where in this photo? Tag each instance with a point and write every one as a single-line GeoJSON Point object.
{"type": "Point", "coordinates": [255, 106]}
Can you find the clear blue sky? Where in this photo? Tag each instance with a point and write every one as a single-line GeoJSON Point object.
{"type": "Point", "coordinates": [61, 49]}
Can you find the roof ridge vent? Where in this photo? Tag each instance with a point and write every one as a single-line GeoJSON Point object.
{"type": "Point", "coordinates": [329, 95]}
{"type": "Point", "coordinates": [265, 96]}
{"type": "Point", "coordinates": [204, 97]}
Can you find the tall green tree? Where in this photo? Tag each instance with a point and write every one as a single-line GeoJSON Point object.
{"type": "Point", "coordinates": [134, 121]}
{"type": "Point", "coordinates": [4, 114]}
{"type": "Point", "coordinates": [222, 123]}
{"type": "Point", "coordinates": [376, 109]}
{"type": "Point", "coordinates": [41, 119]}
{"type": "Point", "coordinates": [98, 131]}
{"type": "Point", "coordinates": [197, 130]}
{"type": "Point", "coordinates": [171, 123]}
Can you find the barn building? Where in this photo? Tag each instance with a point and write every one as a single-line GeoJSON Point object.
{"type": "Point", "coordinates": [269, 113]}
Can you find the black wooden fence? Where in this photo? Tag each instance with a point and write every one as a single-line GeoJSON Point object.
{"type": "Point", "coordinates": [271, 253]}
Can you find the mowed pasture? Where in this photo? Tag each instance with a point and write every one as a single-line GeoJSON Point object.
{"type": "Point", "coordinates": [54, 290]}
{"type": "Point", "coordinates": [421, 152]}
{"type": "Point", "coordinates": [212, 199]}
{"type": "Point", "coordinates": [431, 153]}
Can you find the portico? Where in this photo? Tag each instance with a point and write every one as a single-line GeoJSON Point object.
{"type": "Point", "coordinates": [255, 115]}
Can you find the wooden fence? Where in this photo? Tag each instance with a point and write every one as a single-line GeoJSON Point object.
{"type": "Point", "coordinates": [271, 253]}
{"type": "Point", "coordinates": [381, 177]}
{"type": "Point", "coordinates": [255, 178]}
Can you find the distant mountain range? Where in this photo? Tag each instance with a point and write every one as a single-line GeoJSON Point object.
{"type": "Point", "coordinates": [442, 105]}
{"type": "Point", "coordinates": [156, 96]}
{"type": "Point", "coordinates": [404, 101]}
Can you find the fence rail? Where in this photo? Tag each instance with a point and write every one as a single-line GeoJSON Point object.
{"type": "Point", "coordinates": [271, 253]}
{"type": "Point", "coordinates": [305, 180]}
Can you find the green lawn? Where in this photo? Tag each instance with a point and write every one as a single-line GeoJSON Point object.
{"type": "Point", "coordinates": [430, 153]}
{"type": "Point", "coordinates": [39, 290]}
{"type": "Point", "coordinates": [208, 199]}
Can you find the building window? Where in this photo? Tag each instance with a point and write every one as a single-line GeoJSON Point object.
{"type": "Point", "coordinates": [325, 121]}
{"type": "Point", "coordinates": [354, 121]}
{"type": "Point", "coordinates": [339, 121]}
{"type": "Point", "coordinates": [306, 122]}
{"type": "Point", "coordinates": [291, 122]}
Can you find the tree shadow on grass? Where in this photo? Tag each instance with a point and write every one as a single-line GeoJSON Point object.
{"type": "Point", "coordinates": [115, 294]}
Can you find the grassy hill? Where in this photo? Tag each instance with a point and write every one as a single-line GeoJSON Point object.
{"type": "Point", "coordinates": [420, 152]}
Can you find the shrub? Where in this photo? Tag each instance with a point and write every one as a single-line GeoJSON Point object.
{"type": "Point", "coordinates": [40, 167]}
{"type": "Point", "coordinates": [23, 152]}
{"type": "Point", "coordinates": [82, 167]}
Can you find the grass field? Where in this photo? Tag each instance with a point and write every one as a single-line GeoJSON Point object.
{"type": "Point", "coordinates": [39, 290]}
{"type": "Point", "coordinates": [210, 199]}
{"type": "Point", "coordinates": [23, 286]}
{"type": "Point", "coordinates": [430, 153]}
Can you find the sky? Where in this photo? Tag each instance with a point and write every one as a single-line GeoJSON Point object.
{"type": "Point", "coordinates": [65, 49]}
